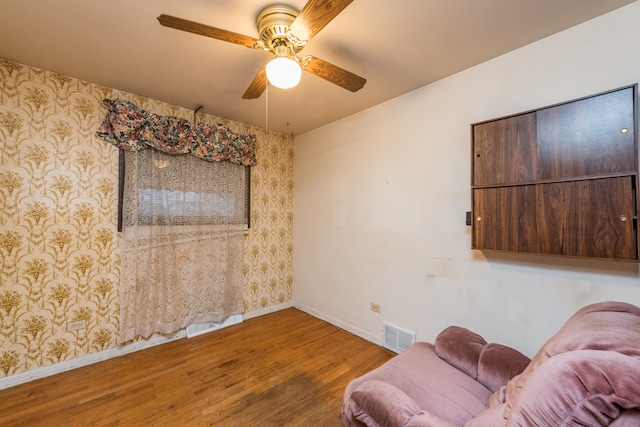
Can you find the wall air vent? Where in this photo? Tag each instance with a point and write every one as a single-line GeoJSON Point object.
{"type": "Point", "coordinates": [397, 339]}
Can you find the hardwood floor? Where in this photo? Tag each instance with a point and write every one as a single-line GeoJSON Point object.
{"type": "Point", "coordinates": [282, 369]}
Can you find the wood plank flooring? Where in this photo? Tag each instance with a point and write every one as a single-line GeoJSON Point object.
{"type": "Point", "coordinates": [282, 369]}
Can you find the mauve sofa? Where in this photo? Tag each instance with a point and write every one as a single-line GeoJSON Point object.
{"type": "Point", "coordinates": [587, 374]}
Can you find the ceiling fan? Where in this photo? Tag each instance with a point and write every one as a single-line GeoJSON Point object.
{"type": "Point", "coordinates": [284, 32]}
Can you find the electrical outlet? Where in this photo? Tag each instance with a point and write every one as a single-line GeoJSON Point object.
{"type": "Point", "coordinates": [375, 307]}
{"type": "Point", "coordinates": [75, 325]}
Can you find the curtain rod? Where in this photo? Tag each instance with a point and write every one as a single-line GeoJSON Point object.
{"type": "Point", "coordinates": [196, 112]}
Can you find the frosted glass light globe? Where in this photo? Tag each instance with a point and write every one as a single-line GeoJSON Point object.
{"type": "Point", "coordinates": [283, 72]}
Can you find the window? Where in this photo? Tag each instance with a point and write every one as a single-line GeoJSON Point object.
{"type": "Point", "coordinates": [184, 204]}
{"type": "Point", "coordinates": [184, 190]}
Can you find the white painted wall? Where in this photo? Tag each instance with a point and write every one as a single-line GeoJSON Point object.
{"type": "Point", "coordinates": [380, 201]}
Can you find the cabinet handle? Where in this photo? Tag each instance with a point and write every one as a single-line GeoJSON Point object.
{"type": "Point", "coordinates": [624, 130]}
{"type": "Point", "coordinates": [478, 218]}
{"type": "Point", "coordinates": [623, 218]}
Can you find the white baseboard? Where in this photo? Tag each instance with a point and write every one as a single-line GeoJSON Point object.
{"type": "Point", "coordinates": [67, 365]}
{"type": "Point", "coordinates": [263, 311]}
{"type": "Point", "coordinates": [341, 324]}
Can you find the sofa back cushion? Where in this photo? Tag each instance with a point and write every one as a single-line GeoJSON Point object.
{"type": "Point", "coordinates": [579, 388]}
{"type": "Point", "coordinates": [606, 326]}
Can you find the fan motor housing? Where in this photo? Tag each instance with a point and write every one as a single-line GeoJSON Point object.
{"type": "Point", "coordinates": [273, 24]}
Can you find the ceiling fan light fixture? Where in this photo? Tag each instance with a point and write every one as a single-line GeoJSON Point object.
{"type": "Point", "coordinates": [283, 72]}
{"type": "Point", "coordinates": [284, 32]}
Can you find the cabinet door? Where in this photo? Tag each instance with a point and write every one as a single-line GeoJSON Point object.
{"type": "Point", "coordinates": [589, 218]}
{"type": "Point", "coordinates": [589, 137]}
{"type": "Point", "coordinates": [504, 151]}
{"type": "Point", "coordinates": [504, 218]}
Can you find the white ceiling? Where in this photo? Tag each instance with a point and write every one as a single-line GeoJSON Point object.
{"type": "Point", "coordinates": [396, 45]}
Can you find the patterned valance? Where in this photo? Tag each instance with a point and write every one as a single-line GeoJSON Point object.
{"type": "Point", "coordinates": [129, 128]}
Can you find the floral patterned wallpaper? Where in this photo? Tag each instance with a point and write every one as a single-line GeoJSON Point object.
{"type": "Point", "coordinates": [59, 245]}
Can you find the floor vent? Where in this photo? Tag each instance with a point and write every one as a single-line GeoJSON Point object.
{"type": "Point", "coordinates": [203, 328]}
{"type": "Point", "coordinates": [397, 339]}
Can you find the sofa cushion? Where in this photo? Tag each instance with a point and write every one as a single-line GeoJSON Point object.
{"type": "Point", "coordinates": [498, 364]}
{"type": "Point", "coordinates": [426, 419]}
{"type": "Point", "coordinates": [579, 388]}
{"type": "Point", "coordinates": [461, 348]}
{"type": "Point", "coordinates": [608, 326]}
{"type": "Point", "coordinates": [437, 387]}
{"type": "Point", "coordinates": [491, 417]}
{"type": "Point", "coordinates": [383, 402]}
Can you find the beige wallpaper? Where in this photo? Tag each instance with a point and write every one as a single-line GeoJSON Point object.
{"type": "Point", "coordinates": [59, 247]}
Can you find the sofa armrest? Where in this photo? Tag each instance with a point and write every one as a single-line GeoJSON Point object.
{"type": "Point", "coordinates": [584, 387]}
{"type": "Point", "coordinates": [461, 348]}
{"type": "Point", "coordinates": [493, 365]}
{"type": "Point", "coordinates": [383, 403]}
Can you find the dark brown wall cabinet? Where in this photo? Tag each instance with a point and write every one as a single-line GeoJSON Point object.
{"type": "Point", "coordinates": [561, 180]}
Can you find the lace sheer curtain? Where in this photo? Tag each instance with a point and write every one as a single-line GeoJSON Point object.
{"type": "Point", "coordinates": [182, 241]}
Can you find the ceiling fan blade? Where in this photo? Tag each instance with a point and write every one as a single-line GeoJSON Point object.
{"type": "Point", "coordinates": [258, 85]}
{"type": "Point", "coordinates": [314, 16]}
{"type": "Point", "coordinates": [205, 30]}
{"type": "Point", "coordinates": [334, 74]}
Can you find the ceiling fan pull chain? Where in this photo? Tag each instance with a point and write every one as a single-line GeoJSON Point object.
{"type": "Point", "coordinates": [266, 107]}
